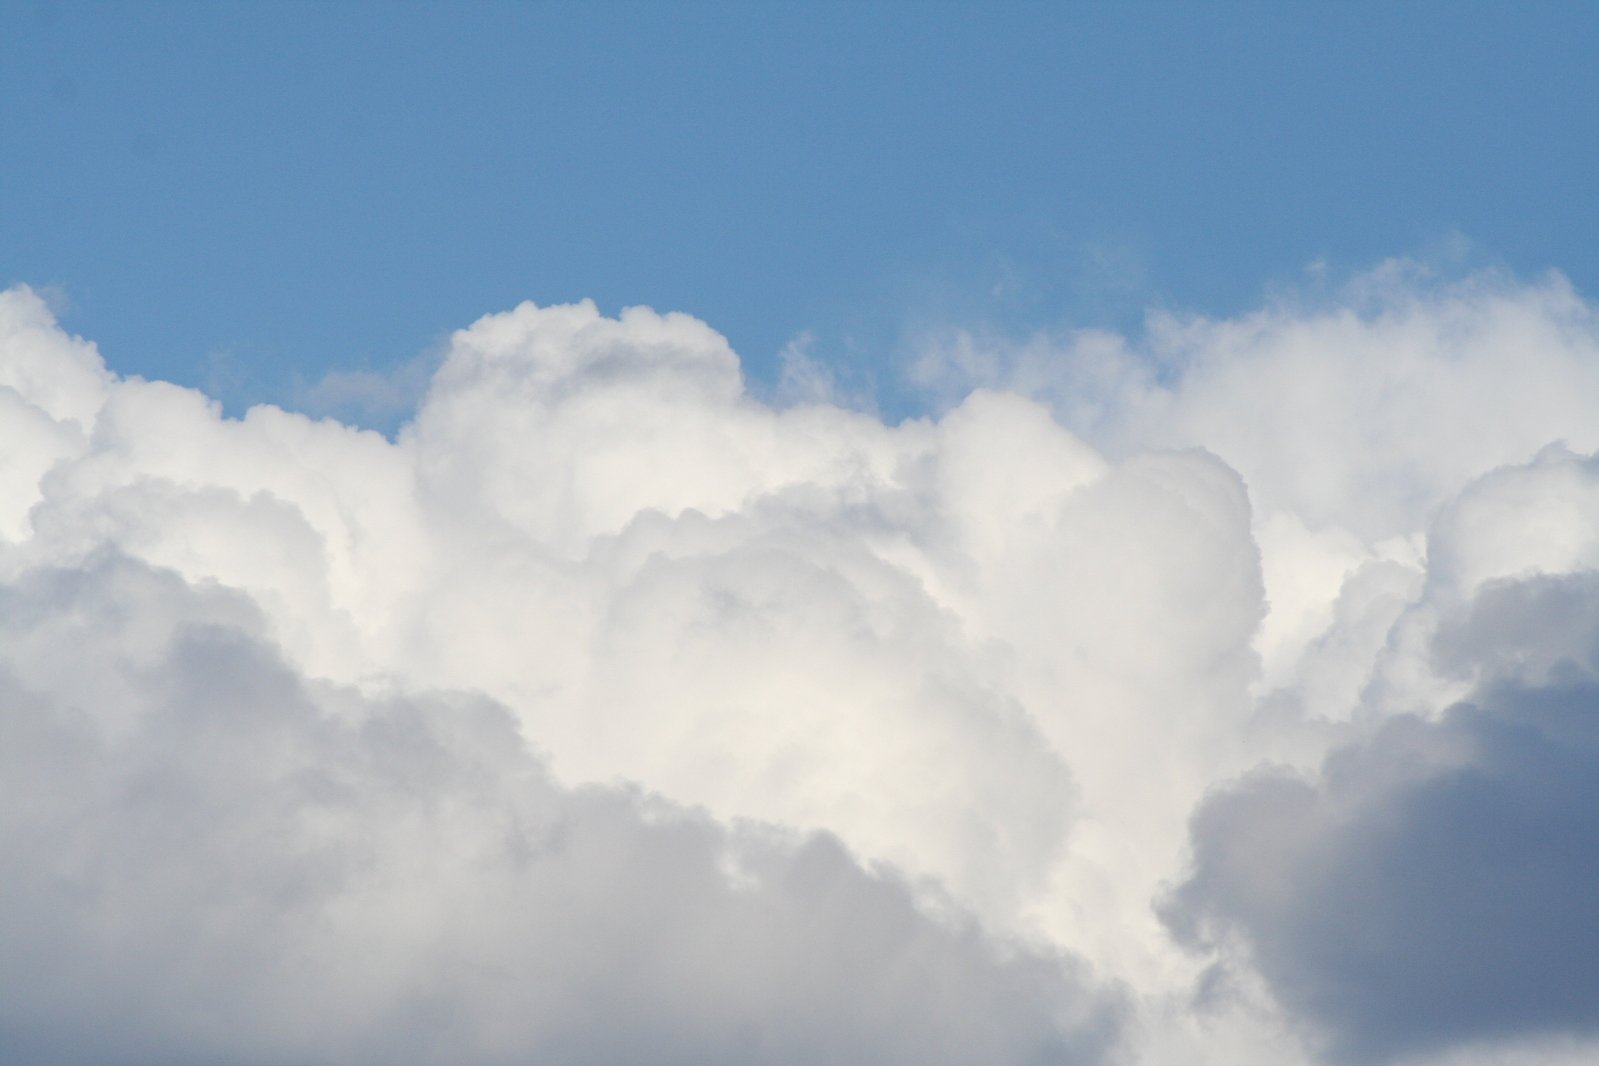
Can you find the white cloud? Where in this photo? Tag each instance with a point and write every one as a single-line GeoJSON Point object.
{"type": "Point", "coordinates": [1363, 413]}
{"type": "Point", "coordinates": [1005, 651]}
{"type": "Point", "coordinates": [209, 858]}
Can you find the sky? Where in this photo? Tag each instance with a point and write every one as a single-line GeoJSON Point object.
{"type": "Point", "coordinates": [245, 195]}
{"type": "Point", "coordinates": [771, 534]}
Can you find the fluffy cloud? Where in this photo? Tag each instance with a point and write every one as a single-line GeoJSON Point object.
{"type": "Point", "coordinates": [208, 858]}
{"type": "Point", "coordinates": [801, 615]}
{"type": "Point", "coordinates": [842, 728]}
{"type": "Point", "coordinates": [1353, 415]}
{"type": "Point", "coordinates": [1362, 409]}
{"type": "Point", "coordinates": [1432, 885]}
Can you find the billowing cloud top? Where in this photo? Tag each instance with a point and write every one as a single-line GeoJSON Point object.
{"type": "Point", "coordinates": [1230, 700]}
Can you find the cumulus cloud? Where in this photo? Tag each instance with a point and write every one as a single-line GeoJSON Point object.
{"type": "Point", "coordinates": [1363, 409]}
{"type": "Point", "coordinates": [1353, 415]}
{"type": "Point", "coordinates": [209, 858]}
{"type": "Point", "coordinates": [799, 615]}
{"type": "Point", "coordinates": [606, 706]}
{"type": "Point", "coordinates": [1432, 885]}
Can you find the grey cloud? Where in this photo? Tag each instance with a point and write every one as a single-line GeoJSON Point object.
{"type": "Point", "coordinates": [205, 857]}
{"type": "Point", "coordinates": [1435, 886]}
{"type": "Point", "coordinates": [1531, 630]}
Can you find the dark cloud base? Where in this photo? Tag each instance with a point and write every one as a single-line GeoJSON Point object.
{"type": "Point", "coordinates": [1439, 884]}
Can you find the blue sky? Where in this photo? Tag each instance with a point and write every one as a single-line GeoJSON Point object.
{"type": "Point", "coordinates": [1217, 686]}
{"type": "Point", "coordinates": [243, 194]}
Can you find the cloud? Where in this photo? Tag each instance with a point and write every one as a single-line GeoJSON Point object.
{"type": "Point", "coordinates": [1431, 887]}
{"type": "Point", "coordinates": [1353, 413]}
{"type": "Point", "coordinates": [208, 857]}
{"type": "Point", "coordinates": [797, 615]}
{"type": "Point", "coordinates": [1363, 410]}
{"type": "Point", "coordinates": [852, 725]}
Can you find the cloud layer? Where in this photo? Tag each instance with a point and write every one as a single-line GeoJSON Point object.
{"type": "Point", "coordinates": [607, 712]}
